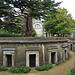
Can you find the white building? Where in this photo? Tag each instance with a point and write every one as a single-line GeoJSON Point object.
{"type": "Point", "coordinates": [38, 26]}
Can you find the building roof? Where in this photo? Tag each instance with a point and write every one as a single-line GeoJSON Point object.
{"type": "Point", "coordinates": [31, 40]}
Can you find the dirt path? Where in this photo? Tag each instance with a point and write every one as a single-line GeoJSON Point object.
{"type": "Point", "coordinates": [62, 69]}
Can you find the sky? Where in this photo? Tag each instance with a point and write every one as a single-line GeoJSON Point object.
{"type": "Point", "coordinates": [69, 5]}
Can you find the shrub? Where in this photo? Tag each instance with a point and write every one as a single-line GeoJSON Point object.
{"type": "Point", "coordinates": [2, 68]}
{"type": "Point", "coordinates": [44, 67]}
{"type": "Point", "coordinates": [72, 73]}
{"type": "Point", "coordinates": [20, 70]}
{"type": "Point", "coordinates": [25, 69]}
{"type": "Point", "coordinates": [48, 66]}
{"type": "Point", "coordinates": [57, 64]}
{"type": "Point", "coordinates": [40, 68]}
{"type": "Point", "coordinates": [33, 32]}
{"type": "Point", "coordinates": [14, 69]}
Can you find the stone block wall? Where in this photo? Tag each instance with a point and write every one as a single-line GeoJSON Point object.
{"type": "Point", "coordinates": [20, 55]}
{"type": "Point", "coordinates": [1, 57]}
{"type": "Point", "coordinates": [42, 47]}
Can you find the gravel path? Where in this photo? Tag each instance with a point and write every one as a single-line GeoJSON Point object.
{"type": "Point", "coordinates": [62, 69]}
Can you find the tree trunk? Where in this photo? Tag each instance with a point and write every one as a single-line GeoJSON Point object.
{"type": "Point", "coordinates": [53, 34]}
{"type": "Point", "coordinates": [28, 27]}
{"type": "Point", "coordinates": [63, 34]}
{"type": "Point", "coordinates": [58, 35]}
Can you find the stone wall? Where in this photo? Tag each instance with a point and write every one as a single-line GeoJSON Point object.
{"type": "Point", "coordinates": [41, 47]}
{"type": "Point", "coordinates": [1, 56]}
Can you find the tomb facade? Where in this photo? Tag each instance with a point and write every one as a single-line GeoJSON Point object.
{"type": "Point", "coordinates": [21, 51]}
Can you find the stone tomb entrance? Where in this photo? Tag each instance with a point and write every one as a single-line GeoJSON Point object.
{"type": "Point", "coordinates": [8, 60]}
{"type": "Point", "coordinates": [32, 60]}
{"type": "Point", "coordinates": [52, 50]}
{"type": "Point", "coordinates": [8, 57]}
{"type": "Point", "coordinates": [65, 54]}
{"type": "Point", "coordinates": [53, 57]}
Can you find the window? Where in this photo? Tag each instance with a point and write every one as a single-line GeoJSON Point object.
{"type": "Point", "coordinates": [37, 26]}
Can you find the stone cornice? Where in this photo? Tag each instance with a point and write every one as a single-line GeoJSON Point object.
{"type": "Point", "coordinates": [31, 40]}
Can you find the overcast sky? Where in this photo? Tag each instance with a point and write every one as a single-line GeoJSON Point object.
{"type": "Point", "coordinates": [69, 5]}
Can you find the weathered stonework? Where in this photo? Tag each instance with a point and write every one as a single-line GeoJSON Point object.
{"type": "Point", "coordinates": [5, 59]}
{"type": "Point", "coordinates": [32, 52]}
{"type": "Point", "coordinates": [39, 51]}
{"type": "Point", "coordinates": [1, 55]}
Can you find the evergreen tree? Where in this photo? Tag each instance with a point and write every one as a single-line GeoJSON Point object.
{"type": "Point", "coordinates": [28, 9]}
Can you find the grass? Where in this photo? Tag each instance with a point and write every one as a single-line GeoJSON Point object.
{"type": "Point", "coordinates": [63, 62]}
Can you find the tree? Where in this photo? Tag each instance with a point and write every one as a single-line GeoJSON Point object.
{"type": "Point", "coordinates": [14, 29]}
{"type": "Point", "coordinates": [60, 23]}
{"type": "Point", "coordinates": [28, 9]}
{"type": "Point", "coordinates": [3, 11]}
{"type": "Point", "coordinates": [14, 25]}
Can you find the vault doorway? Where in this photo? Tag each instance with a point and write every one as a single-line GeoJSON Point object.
{"type": "Point", "coordinates": [65, 54]}
{"type": "Point", "coordinates": [9, 60]}
{"type": "Point", "coordinates": [32, 60]}
{"type": "Point", "coordinates": [53, 57]}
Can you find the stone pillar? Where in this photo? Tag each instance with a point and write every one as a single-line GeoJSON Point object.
{"type": "Point", "coordinates": [1, 55]}
{"type": "Point", "coordinates": [61, 56]}
{"type": "Point", "coordinates": [60, 53]}
{"type": "Point", "coordinates": [27, 59]}
{"type": "Point", "coordinates": [40, 56]}
{"type": "Point", "coordinates": [56, 59]}
{"type": "Point", "coordinates": [12, 59]}
{"type": "Point", "coordinates": [0, 49]}
{"type": "Point", "coordinates": [50, 58]}
{"type": "Point", "coordinates": [64, 55]}
{"type": "Point", "coordinates": [4, 60]}
{"type": "Point", "coordinates": [43, 53]}
{"type": "Point", "coordinates": [37, 59]}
